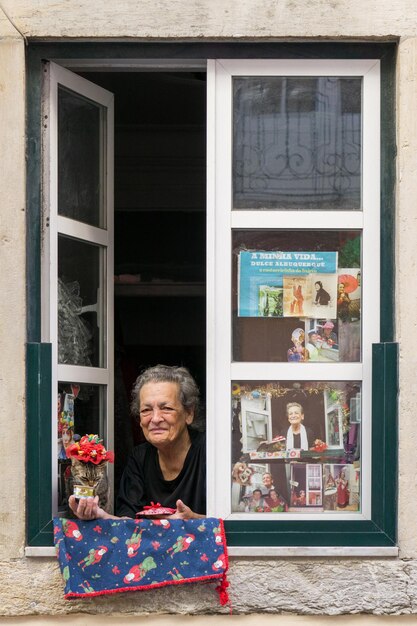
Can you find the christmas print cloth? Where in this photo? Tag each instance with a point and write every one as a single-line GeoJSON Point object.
{"type": "Point", "coordinates": [110, 556]}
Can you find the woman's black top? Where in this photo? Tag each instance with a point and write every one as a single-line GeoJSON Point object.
{"type": "Point", "coordinates": [297, 439]}
{"type": "Point", "coordinates": [143, 482]}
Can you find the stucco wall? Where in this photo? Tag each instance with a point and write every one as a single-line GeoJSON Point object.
{"type": "Point", "coordinates": [218, 620]}
{"type": "Point", "coordinates": [214, 18]}
{"type": "Point", "coordinates": [405, 299]}
{"type": "Point", "coordinates": [307, 587]}
{"type": "Point", "coordinates": [12, 290]}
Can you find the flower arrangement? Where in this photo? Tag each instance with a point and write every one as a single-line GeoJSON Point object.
{"type": "Point", "coordinates": [319, 446]}
{"type": "Point", "coordinates": [90, 450]}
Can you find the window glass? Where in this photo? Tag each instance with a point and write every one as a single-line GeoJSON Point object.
{"type": "Point", "coordinates": [297, 143]}
{"type": "Point", "coordinates": [81, 409]}
{"type": "Point", "coordinates": [296, 446]}
{"type": "Point", "coordinates": [296, 295]}
{"type": "Point", "coordinates": [81, 293]}
{"type": "Point", "coordinates": [80, 162]}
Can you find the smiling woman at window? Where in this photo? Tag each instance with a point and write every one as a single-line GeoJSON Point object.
{"type": "Point", "coordinates": [170, 466]}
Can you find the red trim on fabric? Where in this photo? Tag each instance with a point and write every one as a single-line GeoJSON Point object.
{"type": "Point", "coordinates": [223, 533]}
{"type": "Point", "coordinates": [206, 579]}
{"type": "Point", "coordinates": [222, 588]}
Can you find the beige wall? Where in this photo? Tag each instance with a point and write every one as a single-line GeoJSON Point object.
{"type": "Point", "coordinates": [214, 18]}
{"type": "Point", "coordinates": [219, 620]}
{"type": "Point", "coordinates": [12, 290]}
{"type": "Point", "coordinates": [309, 587]}
{"type": "Point", "coordinates": [405, 299]}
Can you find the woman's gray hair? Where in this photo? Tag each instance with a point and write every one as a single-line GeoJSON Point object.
{"type": "Point", "coordinates": [189, 394]}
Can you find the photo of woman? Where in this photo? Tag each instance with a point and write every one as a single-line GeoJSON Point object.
{"type": "Point", "coordinates": [322, 296]}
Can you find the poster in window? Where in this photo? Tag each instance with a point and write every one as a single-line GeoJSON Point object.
{"type": "Point", "coordinates": [287, 284]}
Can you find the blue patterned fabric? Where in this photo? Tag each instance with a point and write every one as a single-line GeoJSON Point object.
{"type": "Point", "coordinates": [110, 556]}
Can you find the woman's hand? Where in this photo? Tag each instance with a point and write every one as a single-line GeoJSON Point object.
{"type": "Point", "coordinates": [184, 512]}
{"type": "Point", "coordinates": [86, 508]}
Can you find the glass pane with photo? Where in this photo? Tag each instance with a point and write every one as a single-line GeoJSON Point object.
{"type": "Point", "coordinates": [296, 446]}
{"type": "Point", "coordinates": [297, 143]}
{"type": "Point", "coordinates": [81, 162]}
{"type": "Point", "coordinates": [81, 295]}
{"type": "Point", "coordinates": [296, 295]}
{"type": "Point", "coordinates": [81, 410]}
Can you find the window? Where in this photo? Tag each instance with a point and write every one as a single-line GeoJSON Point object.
{"type": "Point", "coordinates": [296, 279]}
{"type": "Point", "coordinates": [293, 184]}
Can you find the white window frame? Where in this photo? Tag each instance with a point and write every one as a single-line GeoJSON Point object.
{"type": "Point", "coordinates": [54, 225]}
{"type": "Point", "coordinates": [221, 220]}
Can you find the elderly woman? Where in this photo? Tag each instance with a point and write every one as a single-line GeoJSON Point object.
{"type": "Point", "coordinates": [170, 466]}
{"type": "Point", "coordinates": [298, 436]}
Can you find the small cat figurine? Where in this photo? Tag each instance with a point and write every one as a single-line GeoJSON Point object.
{"type": "Point", "coordinates": [88, 470]}
{"type": "Point", "coordinates": [90, 475]}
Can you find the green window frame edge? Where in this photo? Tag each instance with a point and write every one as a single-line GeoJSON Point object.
{"type": "Point", "coordinates": [381, 530]}
{"type": "Point", "coordinates": [39, 436]}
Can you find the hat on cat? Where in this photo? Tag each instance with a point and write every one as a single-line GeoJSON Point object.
{"type": "Point", "coordinates": [90, 450]}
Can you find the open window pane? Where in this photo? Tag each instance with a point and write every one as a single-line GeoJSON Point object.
{"type": "Point", "coordinates": [81, 409]}
{"type": "Point", "coordinates": [296, 295]}
{"type": "Point", "coordinates": [80, 159]}
{"type": "Point", "coordinates": [297, 143]}
{"type": "Point", "coordinates": [296, 446]}
{"type": "Point", "coordinates": [81, 294]}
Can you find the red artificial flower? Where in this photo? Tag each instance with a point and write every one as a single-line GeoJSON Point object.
{"type": "Point", "coordinates": [319, 446]}
{"type": "Point", "coordinates": [90, 450]}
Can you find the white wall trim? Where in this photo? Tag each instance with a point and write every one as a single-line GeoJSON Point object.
{"type": "Point", "coordinates": [271, 552]}
{"type": "Point", "coordinates": [296, 551]}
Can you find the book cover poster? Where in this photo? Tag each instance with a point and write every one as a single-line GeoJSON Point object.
{"type": "Point", "coordinates": [264, 278]}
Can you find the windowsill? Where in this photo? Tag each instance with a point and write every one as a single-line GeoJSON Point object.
{"type": "Point", "coordinates": [275, 551]}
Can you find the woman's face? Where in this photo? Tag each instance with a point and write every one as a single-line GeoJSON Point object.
{"type": "Point", "coordinates": [267, 480]}
{"type": "Point", "coordinates": [317, 286]}
{"type": "Point", "coordinates": [295, 415]}
{"type": "Point", "coordinates": [163, 419]}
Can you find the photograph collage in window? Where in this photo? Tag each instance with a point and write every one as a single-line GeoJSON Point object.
{"type": "Point", "coordinates": [296, 446]}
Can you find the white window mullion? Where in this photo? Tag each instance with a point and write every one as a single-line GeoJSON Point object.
{"type": "Point", "coordinates": [219, 375]}
{"type": "Point", "coordinates": [296, 371]}
{"type": "Point", "coordinates": [371, 255]}
{"type": "Point", "coordinates": [86, 375]}
{"type": "Point", "coordinates": [297, 219]}
{"type": "Point", "coordinates": [84, 232]}
{"type": "Point", "coordinates": [49, 264]}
